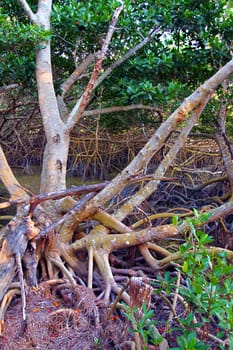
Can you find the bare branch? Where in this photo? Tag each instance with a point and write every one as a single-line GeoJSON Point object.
{"type": "Point", "coordinates": [129, 54]}
{"type": "Point", "coordinates": [120, 109]}
{"type": "Point", "coordinates": [9, 87]}
{"type": "Point", "coordinates": [80, 106]}
{"type": "Point", "coordinates": [79, 206]}
{"type": "Point", "coordinates": [145, 191]}
{"type": "Point", "coordinates": [73, 191]}
{"type": "Point", "coordinates": [35, 200]}
{"type": "Point", "coordinates": [69, 82]}
{"type": "Point", "coordinates": [110, 33]}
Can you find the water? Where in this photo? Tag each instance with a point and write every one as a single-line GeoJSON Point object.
{"type": "Point", "coordinates": [31, 182]}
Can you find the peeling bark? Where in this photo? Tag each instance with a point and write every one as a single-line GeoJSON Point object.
{"type": "Point", "coordinates": [82, 67]}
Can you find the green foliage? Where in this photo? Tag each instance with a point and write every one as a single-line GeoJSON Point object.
{"type": "Point", "coordinates": [190, 342]}
{"type": "Point", "coordinates": [209, 279]}
{"type": "Point", "coordinates": [97, 343]}
{"type": "Point", "coordinates": [17, 43]}
{"type": "Point", "coordinates": [208, 288]}
{"type": "Point", "coordinates": [143, 325]}
{"type": "Point", "coordinates": [191, 44]}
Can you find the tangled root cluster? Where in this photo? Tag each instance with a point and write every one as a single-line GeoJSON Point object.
{"type": "Point", "coordinates": [55, 322]}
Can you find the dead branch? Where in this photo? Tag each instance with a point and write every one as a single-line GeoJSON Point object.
{"type": "Point", "coordinates": [78, 207]}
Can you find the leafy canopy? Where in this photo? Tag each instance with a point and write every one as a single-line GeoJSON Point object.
{"type": "Point", "coordinates": [193, 41]}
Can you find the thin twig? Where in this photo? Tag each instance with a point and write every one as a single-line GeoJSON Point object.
{"type": "Point", "coordinates": [21, 280]}
{"type": "Point", "coordinates": [90, 267]}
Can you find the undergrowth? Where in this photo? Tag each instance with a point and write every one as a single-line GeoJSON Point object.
{"type": "Point", "coordinates": [206, 293]}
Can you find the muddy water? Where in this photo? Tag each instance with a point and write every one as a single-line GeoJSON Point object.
{"type": "Point", "coordinates": [31, 182]}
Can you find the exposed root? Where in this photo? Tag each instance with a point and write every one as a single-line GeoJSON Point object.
{"type": "Point", "coordinates": [56, 261]}
{"type": "Point", "coordinates": [148, 257]}
{"type": "Point", "coordinates": [5, 303]}
{"type": "Point", "coordinates": [102, 260]}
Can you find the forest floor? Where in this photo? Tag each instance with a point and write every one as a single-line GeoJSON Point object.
{"type": "Point", "coordinates": [75, 321]}
{"type": "Point", "coordinates": [61, 317]}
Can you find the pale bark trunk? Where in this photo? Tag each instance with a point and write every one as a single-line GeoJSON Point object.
{"type": "Point", "coordinates": [53, 176]}
{"type": "Point", "coordinates": [56, 151]}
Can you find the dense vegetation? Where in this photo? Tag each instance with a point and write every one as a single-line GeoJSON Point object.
{"type": "Point", "coordinates": [95, 88]}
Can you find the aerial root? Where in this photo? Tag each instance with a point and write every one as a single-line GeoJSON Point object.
{"type": "Point", "coordinates": [152, 262]}
{"type": "Point", "coordinates": [102, 260]}
{"type": "Point", "coordinates": [90, 266]}
{"type": "Point", "coordinates": [5, 303]}
{"type": "Point", "coordinates": [56, 261]}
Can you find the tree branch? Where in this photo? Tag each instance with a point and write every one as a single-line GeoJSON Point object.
{"type": "Point", "coordinates": [9, 180]}
{"type": "Point", "coordinates": [80, 106]}
{"type": "Point", "coordinates": [69, 82]}
{"type": "Point", "coordinates": [96, 82]}
{"type": "Point", "coordinates": [36, 200]}
{"type": "Point", "coordinates": [129, 54]}
{"type": "Point", "coordinates": [120, 109]}
{"type": "Point", "coordinates": [145, 191]}
{"type": "Point", "coordinates": [32, 16]}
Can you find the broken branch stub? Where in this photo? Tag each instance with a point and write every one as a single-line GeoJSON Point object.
{"type": "Point", "coordinates": [140, 292]}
